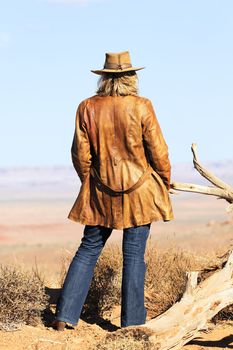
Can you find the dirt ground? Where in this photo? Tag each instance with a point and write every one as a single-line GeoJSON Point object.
{"type": "Point", "coordinates": [38, 233]}
{"type": "Point", "coordinates": [86, 335]}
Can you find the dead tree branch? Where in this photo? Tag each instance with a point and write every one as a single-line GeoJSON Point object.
{"type": "Point", "coordinates": [221, 190]}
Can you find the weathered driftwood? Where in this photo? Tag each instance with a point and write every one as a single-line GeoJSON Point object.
{"type": "Point", "coordinates": [221, 189]}
{"type": "Point", "coordinates": [199, 304]}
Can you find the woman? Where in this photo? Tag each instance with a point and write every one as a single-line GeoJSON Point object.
{"type": "Point", "coordinates": [121, 158]}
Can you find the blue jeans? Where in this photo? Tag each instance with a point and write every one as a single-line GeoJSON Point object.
{"type": "Point", "coordinates": [81, 269]}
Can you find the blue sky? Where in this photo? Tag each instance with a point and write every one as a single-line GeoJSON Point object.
{"type": "Point", "coordinates": [47, 48]}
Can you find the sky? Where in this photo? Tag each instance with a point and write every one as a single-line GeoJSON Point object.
{"type": "Point", "coordinates": [48, 47]}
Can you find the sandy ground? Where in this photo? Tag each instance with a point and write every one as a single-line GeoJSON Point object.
{"type": "Point", "coordinates": [219, 336]}
{"type": "Point", "coordinates": [37, 232]}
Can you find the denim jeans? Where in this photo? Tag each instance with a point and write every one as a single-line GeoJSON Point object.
{"type": "Point", "coordinates": [81, 269]}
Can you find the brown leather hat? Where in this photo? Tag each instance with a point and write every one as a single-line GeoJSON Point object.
{"type": "Point", "coordinates": [117, 63]}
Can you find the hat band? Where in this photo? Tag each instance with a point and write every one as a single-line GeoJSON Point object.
{"type": "Point", "coordinates": [117, 66]}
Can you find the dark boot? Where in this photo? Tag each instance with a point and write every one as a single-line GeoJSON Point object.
{"type": "Point", "coordinates": [59, 325]}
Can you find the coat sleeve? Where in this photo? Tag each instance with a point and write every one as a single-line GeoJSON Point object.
{"type": "Point", "coordinates": [80, 149]}
{"type": "Point", "coordinates": [155, 146]}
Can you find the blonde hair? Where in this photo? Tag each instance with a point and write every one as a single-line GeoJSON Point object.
{"type": "Point", "coordinates": [118, 84]}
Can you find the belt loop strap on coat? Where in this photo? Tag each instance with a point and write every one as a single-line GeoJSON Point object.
{"type": "Point", "coordinates": [115, 192]}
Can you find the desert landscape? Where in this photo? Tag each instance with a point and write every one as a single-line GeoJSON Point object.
{"type": "Point", "coordinates": [36, 234]}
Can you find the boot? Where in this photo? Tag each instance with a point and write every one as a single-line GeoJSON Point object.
{"type": "Point", "coordinates": [58, 325]}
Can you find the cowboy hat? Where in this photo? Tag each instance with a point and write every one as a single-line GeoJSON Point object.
{"type": "Point", "coordinates": [117, 63]}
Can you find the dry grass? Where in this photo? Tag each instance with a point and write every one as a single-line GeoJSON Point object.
{"type": "Point", "coordinates": [104, 292]}
{"type": "Point", "coordinates": [22, 297]}
{"type": "Point", "coordinates": [166, 276]}
{"type": "Point", "coordinates": [105, 289]}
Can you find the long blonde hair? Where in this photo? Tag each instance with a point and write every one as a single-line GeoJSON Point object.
{"type": "Point", "coordinates": [118, 84]}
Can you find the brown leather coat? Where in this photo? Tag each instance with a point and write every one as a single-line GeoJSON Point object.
{"type": "Point", "coordinates": [120, 136]}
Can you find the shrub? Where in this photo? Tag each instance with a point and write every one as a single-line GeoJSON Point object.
{"type": "Point", "coordinates": [105, 289]}
{"type": "Point", "coordinates": [104, 292]}
{"type": "Point", "coordinates": [124, 339]}
{"type": "Point", "coordinates": [22, 297]}
{"type": "Point", "coordinates": [165, 280]}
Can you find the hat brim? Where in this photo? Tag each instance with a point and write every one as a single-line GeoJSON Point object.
{"type": "Point", "coordinates": [102, 71]}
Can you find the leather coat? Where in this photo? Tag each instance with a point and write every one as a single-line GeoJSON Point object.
{"type": "Point", "coordinates": [116, 139]}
